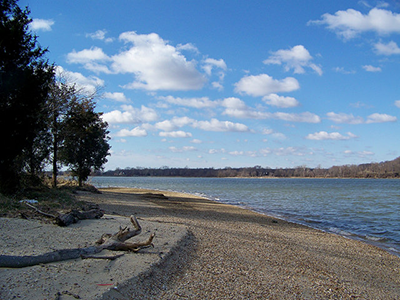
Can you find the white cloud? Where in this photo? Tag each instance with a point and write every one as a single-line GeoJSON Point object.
{"type": "Point", "coordinates": [281, 101]}
{"type": "Point", "coordinates": [305, 117]}
{"type": "Point", "coordinates": [343, 70]}
{"type": "Point", "coordinates": [183, 149]}
{"type": "Point", "coordinates": [131, 115]}
{"type": "Point", "coordinates": [187, 47]}
{"type": "Point", "coordinates": [397, 103]}
{"type": "Point", "coordinates": [323, 135]}
{"type": "Point", "coordinates": [295, 58]}
{"type": "Point", "coordinates": [361, 154]}
{"type": "Point", "coordinates": [277, 135]}
{"type": "Point", "coordinates": [174, 124]}
{"type": "Point", "coordinates": [222, 126]}
{"type": "Point", "coordinates": [349, 23]}
{"type": "Point", "coordinates": [263, 85]}
{"type": "Point", "coordinates": [99, 35]}
{"type": "Point", "coordinates": [216, 151]}
{"type": "Point", "coordinates": [119, 97]}
{"type": "Point", "coordinates": [203, 102]}
{"type": "Point", "coordinates": [196, 141]}
{"type": "Point", "coordinates": [92, 59]}
{"type": "Point", "coordinates": [380, 118]}
{"type": "Point", "coordinates": [176, 134]}
{"type": "Point", "coordinates": [87, 55]}
{"type": "Point", "coordinates": [289, 151]}
{"type": "Point", "coordinates": [156, 64]}
{"type": "Point", "coordinates": [370, 68]}
{"type": "Point", "coordinates": [135, 132]}
{"type": "Point", "coordinates": [238, 109]}
{"type": "Point", "coordinates": [342, 118]}
{"type": "Point", "coordinates": [390, 48]}
{"type": "Point", "coordinates": [41, 24]}
{"type": "Point", "coordinates": [211, 63]}
{"type": "Point", "coordinates": [87, 84]}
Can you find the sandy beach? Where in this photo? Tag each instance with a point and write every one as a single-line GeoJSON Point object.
{"type": "Point", "coordinates": [202, 250]}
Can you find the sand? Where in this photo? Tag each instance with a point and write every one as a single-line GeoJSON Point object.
{"type": "Point", "coordinates": [203, 250]}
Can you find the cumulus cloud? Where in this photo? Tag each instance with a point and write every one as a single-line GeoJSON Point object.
{"type": "Point", "coordinates": [131, 115]}
{"type": "Point", "coordinates": [222, 126]}
{"type": "Point", "coordinates": [203, 102]}
{"type": "Point", "coordinates": [271, 132]}
{"type": "Point", "coordinates": [342, 118]}
{"type": "Point", "coordinates": [92, 59]}
{"type": "Point", "coordinates": [305, 117]}
{"type": "Point", "coordinates": [211, 63]}
{"type": "Point", "coordinates": [156, 64]}
{"type": "Point", "coordinates": [380, 118]}
{"type": "Point", "coordinates": [183, 149]}
{"type": "Point", "coordinates": [135, 132]}
{"type": "Point", "coordinates": [397, 103]}
{"type": "Point", "coordinates": [119, 97]}
{"type": "Point", "coordinates": [370, 68]}
{"type": "Point", "coordinates": [263, 85]}
{"type": "Point", "coordinates": [41, 25]}
{"type": "Point", "coordinates": [281, 101]}
{"type": "Point", "coordinates": [296, 58]}
{"type": "Point", "coordinates": [238, 109]}
{"type": "Point", "coordinates": [187, 47]}
{"type": "Point", "coordinates": [174, 124]}
{"type": "Point", "coordinates": [390, 48]}
{"type": "Point", "coordinates": [175, 134]}
{"type": "Point", "coordinates": [348, 24]}
{"type": "Point", "coordinates": [288, 151]}
{"type": "Point", "coordinates": [99, 35]}
{"type": "Point", "coordinates": [323, 135]}
{"type": "Point", "coordinates": [86, 84]}
{"type": "Point", "coordinates": [361, 154]}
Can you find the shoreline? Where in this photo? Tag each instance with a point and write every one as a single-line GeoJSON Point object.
{"type": "Point", "coordinates": [231, 252]}
{"type": "Point", "coordinates": [245, 254]}
{"type": "Point", "coordinates": [388, 247]}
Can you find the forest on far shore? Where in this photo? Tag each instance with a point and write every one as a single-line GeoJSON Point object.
{"type": "Point", "coordinates": [387, 169]}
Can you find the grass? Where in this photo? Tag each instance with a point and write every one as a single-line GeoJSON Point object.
{"type": "Point", "coordinates": [50, 200]}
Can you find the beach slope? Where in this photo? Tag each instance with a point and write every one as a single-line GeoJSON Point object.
{"type": "Point", "coordinates": [226, 252]}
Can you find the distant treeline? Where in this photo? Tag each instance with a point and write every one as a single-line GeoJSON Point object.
{"type": "Point", "coordinates": [388, 169]}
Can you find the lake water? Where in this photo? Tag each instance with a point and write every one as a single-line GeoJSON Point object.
{"type": "Point", "coordinates": [363, 209]}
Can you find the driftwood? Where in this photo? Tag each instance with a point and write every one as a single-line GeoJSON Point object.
{"type": "Point", "coordinates": [75, 215]}
{"type": "Point", "coordinates": [116, 242]}
{"type": "Point", "coordinates": [72, 217]}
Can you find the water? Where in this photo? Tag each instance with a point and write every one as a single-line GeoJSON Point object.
{"type": "Point", "coordinates": [363, 209]}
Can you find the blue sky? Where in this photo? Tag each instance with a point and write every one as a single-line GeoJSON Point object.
{"type": "Point", "coordinates": [234, 83]}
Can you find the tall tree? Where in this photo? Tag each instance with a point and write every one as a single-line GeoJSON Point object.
{"type": "Point", "coordinates": [24, 81]}
{"type": "Point", "coordinates": [60, 96]}
{"type": "Point", "coordinates": [85, 145]}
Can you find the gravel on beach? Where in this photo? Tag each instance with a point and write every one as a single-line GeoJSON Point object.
{"type": "Point", "coordinates": [233, 253]}
{"type": "Point", "coordinates": [209, 250]}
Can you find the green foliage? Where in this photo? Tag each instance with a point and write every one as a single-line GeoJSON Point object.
{"type": "Point", "coordinates": [24, 80]}
{"type": "Point", "coordinates": [86, 138]}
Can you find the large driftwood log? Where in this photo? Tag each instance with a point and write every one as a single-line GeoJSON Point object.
{"type": "Point", "coordinates": [116, 242]}
{"type": "Point", "coordinates": [75, 215]}
{"type": "Point", "coordinates": [72, 217]}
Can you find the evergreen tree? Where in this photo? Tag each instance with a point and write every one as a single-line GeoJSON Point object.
{"type": "Point", "coordinates": [25, 76]}
{"type": "Point", "coordinates": [85, 139]}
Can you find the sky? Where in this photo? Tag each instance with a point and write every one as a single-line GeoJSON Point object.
{"type": "Point", "coordinates": [237, 83]}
